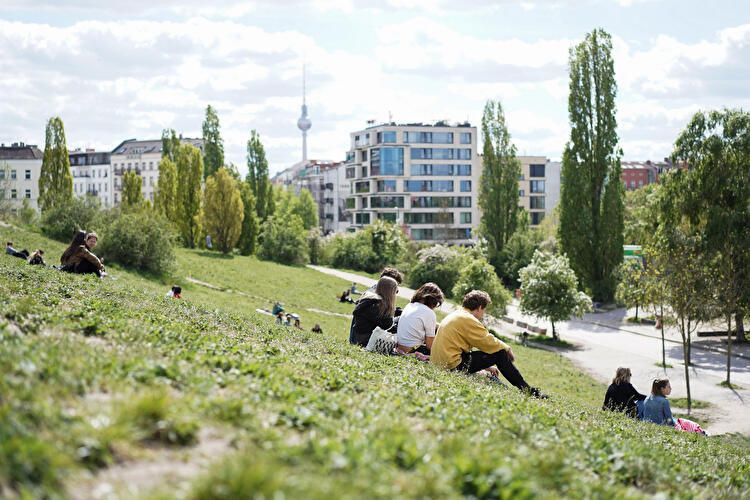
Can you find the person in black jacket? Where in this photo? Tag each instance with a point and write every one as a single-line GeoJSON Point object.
{"type": "Point", "coordinates": [621, 395]}
{"type": "Point", "coordinates": [373, 309]}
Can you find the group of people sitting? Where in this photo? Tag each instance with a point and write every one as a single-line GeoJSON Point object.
{"type": "Point", "coordinates": [460, 342]}
{"type": "Point", "coordinates": [35, 259]}
{"type": "Point", "coordinates": [77, 258]}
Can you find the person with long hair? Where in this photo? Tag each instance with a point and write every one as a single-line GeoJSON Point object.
{"type": "Point", "coordinates": [373, 309]}
{"type": "Point", "coordinates": [417, 325]}
{"type": "Point", "coordinates": [621, 395]}
{"type": "Point", "coordinates": [78, 258]}
{"type": "Point", "coordinates": [656, 406]}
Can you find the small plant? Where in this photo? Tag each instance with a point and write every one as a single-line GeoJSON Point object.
{"type": "Point", "coordinates": [154, 418]}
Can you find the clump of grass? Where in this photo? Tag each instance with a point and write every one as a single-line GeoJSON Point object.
{"type": "Point", "coordinates": [660, 365]}
{"type": "Point", "coordinates": [696, 404]}
{"type": "Point", "coordinates": [153, 417]}
{"type": "Point", "coordinates": [730, 385]}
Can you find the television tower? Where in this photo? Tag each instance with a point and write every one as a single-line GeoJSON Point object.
{"type": "Point", "coordinates": [304, 122]}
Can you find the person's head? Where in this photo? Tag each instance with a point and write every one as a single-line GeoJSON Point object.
{"type": "Point", "coordinates": [177, 289]}
{"type": "Point", "coordinates": [91, 240]}
{"type": "Point", "coordinates": [622, 376]}
{"type": "Point", "coordinates": [387, 288]}
{"type": "Point", "coordinates": [9, 244]}
{"type": "Point", "coordinates": [476, 301]}
{"type": "Point", "coordinates": [40, 251]}
{"type": "Point", "coordinates": [430, 295]}
{"type": "Point", "coordinates": [392, 272]}
{"type": "Point", "coordinates": [661, 387]}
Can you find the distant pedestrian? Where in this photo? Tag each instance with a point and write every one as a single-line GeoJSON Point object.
{"type": "Point", "coordinates": [621, 395]}
{"type": "Point", "coordinates": [209, 244]}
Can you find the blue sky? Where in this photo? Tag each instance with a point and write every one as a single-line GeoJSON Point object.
{"type": "Point", "coordinates": [119, 69]}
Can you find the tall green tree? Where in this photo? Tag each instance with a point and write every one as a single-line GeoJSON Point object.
{"type": "Point", "coordinates": [131, 189]}
{"type": "Point", "coordinates": [223, 211]}
{"type": "Point", "coordinates": [257, 176]}
{"type": "Point", "coordinates": [250, 224]}
{"type": "Point", "coordinates": [55, 180]}
{"type": "Point", "coordinates": [305, 206]}
{"type": "Point", "coordinates": [591, 198]}
{"type": "Point", "coordinates": [284, 240]}
{"type": "Point", "coordinates": [165, 198]}
{"type": "Point", "coordinates": [188, 213]}
{"type": "Point", "coordinates": [170, 143]}
{"type": "Point", "coordinates": [632, 289]}
{"type": "Point", "coordinates": [213, 145]}
{"type": "Point", "coordinates": [498, 186]}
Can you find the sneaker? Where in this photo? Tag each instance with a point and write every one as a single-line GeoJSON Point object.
{"type": "Point", "coordinates": [495, 380]}
{"type": "Point", "coordinates": [533, 391]}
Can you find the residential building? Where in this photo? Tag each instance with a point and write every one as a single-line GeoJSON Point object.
{"type": "Point", "coordinates": [423, 177]}
{"type": "Point", "coordinates": [141, 157]}
{"type": "Point", "coordinates": [309, 174]}
{"type": "Point", "coordinates": [20, 168]}
{"type": "Point", "coordinates": [538, 187]}
{"type": "Point", "coordinates": [335, 216]}
{"type": "Point", "coordinates": [92, 176]}
{"type": "Point", "coordinates": [636, 174]}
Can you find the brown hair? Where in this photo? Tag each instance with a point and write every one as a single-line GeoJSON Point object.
{"type": "Point", "coordinates": [392, 272]}
{"type": "Point", "coordinates": [79, 238]}
{"type": "Point", "coordinates": [430, 295]}
{"type": "Point", "coordinates": [386, 289]}
{"type": "Point", "coordinates": [476, 299]}
{"type": "Point", "coordinates": [622, 376]}
{"type": "Point", "coordinates": [658, 386]}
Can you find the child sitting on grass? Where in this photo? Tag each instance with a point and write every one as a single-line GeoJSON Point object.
{"type": "Point", "coordinates": [656, 407]}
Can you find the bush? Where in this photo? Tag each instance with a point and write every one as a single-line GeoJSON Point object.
{"type": "Point", "coordinates": [138, 239]}
{"type": "Point", "coordinates": [517, 254]}
{"type": "Point", "coordinates": [479, 274]}
{"type": "Point", "coordinates": [284, 240]}
{"type": "Point", "coordinates": [63, 220]}
{"type": "Point", "coordinates": [378, 245]}
{"type": "Point", "coordinates": [437, 264]}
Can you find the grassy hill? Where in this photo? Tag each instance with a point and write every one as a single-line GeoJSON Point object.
{"type": "Point", "coordinates": [108, 387]}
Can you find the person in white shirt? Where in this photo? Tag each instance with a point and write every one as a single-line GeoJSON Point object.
{"type": "Point", "coordinates": [418, 323]}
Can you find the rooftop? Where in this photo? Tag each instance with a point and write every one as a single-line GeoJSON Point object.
{"type": "Point", "coordinates": [644, 165]}
{"type": "Point", "coordinates": [20, 151]}
{"type": "Point", "coordinates": [441, 123]}
{"type": "Point", "coordinates": [134, 146]}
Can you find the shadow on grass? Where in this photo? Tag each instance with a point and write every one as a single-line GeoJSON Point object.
{"type": "Point", "coordinates": [215, 255]}
{"type": "Point", "coordinates": [550, 342]}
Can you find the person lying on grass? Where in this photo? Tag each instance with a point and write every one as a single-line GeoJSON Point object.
{"type": "Point", "coordinates": [37, 258]}
{"type": "Point", "coordinates": [373, 309]}
{"type": "Point", "coordinates": [78, 258]}
{"type": "Point", "coordinates": [656, 407]}
{"type": "Point", "coordinates": [23, 254]}
{"type": "Point", "coordinates": [418, 323]}
{"type": "Point", "coordinates": [621, 395]}
{"type": "Point", "coordinates": [461, 331]}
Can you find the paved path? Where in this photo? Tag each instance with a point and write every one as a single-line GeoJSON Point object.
{"type": "Point", "coordinates": [603, 342]}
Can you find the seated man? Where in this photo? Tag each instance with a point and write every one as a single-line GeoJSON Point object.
{"type": "Point", "coordinates": [461, 331]}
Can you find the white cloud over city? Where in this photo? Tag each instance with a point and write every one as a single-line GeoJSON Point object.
{"type": "Point", "coordinates": [116, 77]}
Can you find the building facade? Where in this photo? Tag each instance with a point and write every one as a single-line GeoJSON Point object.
{"type": "Point", "coordinates": [336, 190]}
{"type": "Point", "coordinates": [538, 187]}
{"type": "Point", "coordinates": [636, 174]}
{"type": "Point", "coordinates": [423, 177]}
{"type": "Point", "coordinates": [20, 167]}
{"type": "Point", "coordinates": [92, 175]}
{"type": "Point", "coordinates": [310, 175]}
{"type": "Point", "coordinates": [141, 157]}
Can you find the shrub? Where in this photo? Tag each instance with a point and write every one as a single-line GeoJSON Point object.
{"type": "Point", "coordinates": [284, 240]}
{"type": "Point", "coordinates": [64, 219]}
{"type": "Point", "coordinates": [438, 264]}
{"type": "Point", "coordinates": [376, 246]}
{"type": "Point", "coordinates": [314, 243]}
{"type": "Point", "coordinates": [478, 274]}
{"type": "Point", "coordinates": [517, 254]}
{"type": "Point", "coordinates": [140, 239]}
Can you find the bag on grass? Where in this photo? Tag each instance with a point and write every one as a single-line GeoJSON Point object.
{"type": "Point", "coordinates": [381, 341]}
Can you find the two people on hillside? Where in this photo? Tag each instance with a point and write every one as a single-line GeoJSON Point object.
{"type": "Point", "coordinates": [35, 259]}
{"type": "Point", "coordinates": [376, 307]}
{"type": "Point", "coordinates": [78, 257]}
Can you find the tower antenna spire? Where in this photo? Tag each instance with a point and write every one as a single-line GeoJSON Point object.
{"type": "Point", "coordinates": [304, 122]}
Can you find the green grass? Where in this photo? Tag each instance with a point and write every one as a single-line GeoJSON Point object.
{"type": "Point", "coordinates": [660, 365]}
{"type": "Point", "coordinates": [696, 404]}
{"type": "Point", "coordinates": [730, 385]}
{"type": "Point", "coordinates": [109, 373]}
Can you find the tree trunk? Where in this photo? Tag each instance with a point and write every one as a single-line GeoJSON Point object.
{"type": "Point", "coordinates": [554, 332]}
{"type": "Point", "coordinates": [685, 355]}
{"type": "Point", "coordinates": [729, 349]}
{"type": "Point", "coordinates": [740, 327]}
{"type": "Point", "coordinates": [689, 344]}
{"type": "Point", "coordinates": [663, 343]}
{"type": "Point", "coordinates": [636, 312]}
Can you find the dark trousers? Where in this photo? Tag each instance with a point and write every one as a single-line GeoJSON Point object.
{"type": "Point", "coordinates": [86, 267]}
{"type": "Point", "coordinates": [475, 361]}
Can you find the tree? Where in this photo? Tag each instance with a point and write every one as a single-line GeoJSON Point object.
{"type": "Point", "coordinates": [5, 183]}
{"type": "Point", "coordinates": [223, 211]}
{"type": "Point", "coordinates": [518, 251]}
{"type": "Point", "coordinates": [478, 274]}
{"type": "Point", "coordinates": [131, 189]}
{"type": "Point", "coordinates": [498, 185]}
{"type": "Point", "coordinates": [437, 264]}
{"type": "Point", "coordinates": [257, 176]}
{"type": "Point", "coordinates": [55, 180]}
{"type": "Point", "coordinates": [190, 172]}
{"type": "Point", "coordinates": [213, 145]}
{"type": "Point", "coordinates": [591, 198]}
{"type": "Point", "coordinates": [305, 206]}
{"type": "Point", "coordinates": [549, 289]}
{"type": "Point", "coordinates": [250, 225]}
{"type": "Point", "coordinates": [165, 198]}
{"type": "Point", "coordinates": [632, 290]}
{"type": "Point", "coordinates": [284, 240]}
{"type": "Point", "coordinates": [170, 143]}
{"type": "Point", "coordinates": [640, 217]}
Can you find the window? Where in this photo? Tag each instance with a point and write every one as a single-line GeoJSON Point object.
{"type": "Point", "coordinates": [465, 218]}
{"type": "Point", "coordinates": [521, 192]}
{"type": "Point", "coordinates": [632, 183]}
{"type": "Point", "coordinates": [521, 177]}
{"type": "Point", "coordinates": [466, 186]}
{"type": "Point", "coordinates": [13, 174]}
{"type": "Point", "coordinates": [429, 169]}
{"type": "Point", "coordinates": [27, 193]}
{"type": "Point", "coordinates": [386, 137]}
{"type": "Point", "coordinates": [463, 169]}
{"type": "Point", "coordinates": [364, 203]}
{"type": "Point", "coordinates": [418, 137]}
{"type": "Point", "coordinates": [640, 184]}
{"type": "Point", "coordinates": [431, 186]}
{"type": "Point", "coordinates": [440, 201]}
{"type": "Point", "coordinates": [421, 234]}
{"type": "Point", "coordinates": [536, 202]}
{"type": "Point", "coordinates": [421, 153]}
{"type": "Point", "coordinates": [362, 187]}
{"type": "Point", "coordinates": [387, 202]}
{"type": "Point", "coordinates": [536, 218]}
{"type": "Point", "coordinates": [463, 154]}
{"type": "Point", "coordinates": [27, 175]}
{"type": "Point", "coordinates": [350, 172]}
{"type": "Point", "coordinates": [465, 137]}
{"type": "Point", "coordinates": [536, 170]}
{"type": "Point", "coordinates": [363, 155]}
{"type": "Point", "coordinates": [363, 172]}
{"type": "Point", "coordinates": [428, 218]}
{"type": "Point", "coordinates": [386, 186]}
{"type": "Point", "coordinates": [350, 203]}
{"type": "Point", "coordinates": [442, 137]}
{"type": "Point", "coordinates": [2, 174]}
{"type": "Point", "coordinates": [387, 161]}
{"type": "Point", "coordinates": [536, 186]}
{"type": "Point", "coordinates": [388, 217]}
{"type": "Point", "coordinates": [362, 218]}
{"type": "Point", "coordinates": [443, 154]}
{"type": "Point", "coordinates": [13, 194]}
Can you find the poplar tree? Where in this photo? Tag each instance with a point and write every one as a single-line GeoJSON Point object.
{"type": "Point", "coordinates": [223, 211]}
{"type": "Point", "coordinates": [306, 208]}
{"type": "Point", "coordinates": [498, 185]}
{"type": "Point", "coordinates": [250, 225]}
{"type": "Point", "coordinates": [55, 180]}
{"type": "Point", "coordinates": [190, 172]}
{"type": "Point", "coordinates": [169, 144]}
{"type": "Point", "coordinates": [131, 189]}
{"type": "Point", "coordinates": [257, 176]}
{"type": "Point", "coordinates": [591, 198]}
{"type": "Point", "coordinates": [165, 198]}
{"type": "Point", "coordinates": [213, 145]}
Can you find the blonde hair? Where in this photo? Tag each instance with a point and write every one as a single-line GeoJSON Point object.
{"type": "Point", "coordinates": [622, 376]}
{"type": "Point", "coordinates": [386, 289]}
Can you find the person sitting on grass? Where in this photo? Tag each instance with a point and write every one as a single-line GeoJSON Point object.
{"type": "Point", "coordinates": [175, 292]}
{"type": "Point", "coordinates": [78, 258]}
{"type": "Point", "coordinates": [461, 331]}
{"type": "Point", "coordinates": [418, 323]}
{"type": "Point", "coordinates": [373, 309]}
{"type": "Point", "coordinates": [621, 395]}
{"type": "Point", "coordinates": [37, 258]}
{"type": "Point", "coordinates": [316, 329]}
{"type": "Point", "coordinates": [346, 297]}
{"type": "Point", "coordinates": [656, 406]}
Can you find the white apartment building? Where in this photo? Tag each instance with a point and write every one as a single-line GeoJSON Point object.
{"type": "Point", "coordinates": [337, 187]}
{"type": "Point", "coordinates": [143, 158]}
{"type": "Point", "coordinates": [20, 167]}
{"type": "Point", "coordinates": [423, 177]}
{"type": "Point", "coordinates": [92, 176]}
{"type": "Point", "coordinates": [538, 187]}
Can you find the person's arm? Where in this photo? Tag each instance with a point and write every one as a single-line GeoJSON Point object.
{"type": "Point", "coordinates": [668, 418]}
{"type": "Point", "coordinates": [635, 395]}
{"type": "Point", "coordinates": [478, 336]}
{"type": "Point", "coordinates": [608, 399]}
{"type": "Point", "coordinates": [93, 259]}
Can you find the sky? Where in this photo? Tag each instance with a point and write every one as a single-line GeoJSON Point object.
{"type": "Point", "coordinates": [120, 69]}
